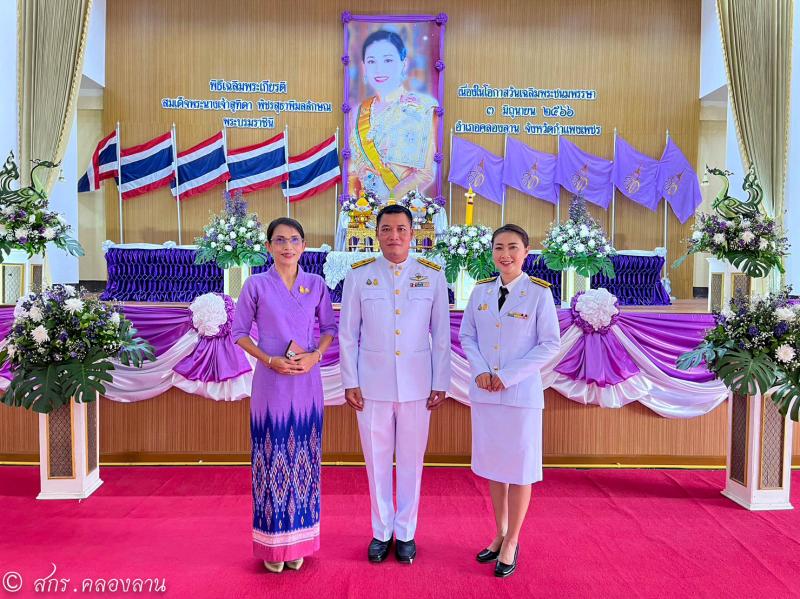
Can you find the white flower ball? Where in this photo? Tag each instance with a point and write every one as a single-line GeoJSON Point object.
{"type": "Point", "coordinates": [228, 247]}
{"type": "Point", "coordinates": [251, 223]}
{"type": "Point", "coordinates": [35, 314]}
{"type": "Point", "coordinates": [580, 248]}
{"type": "Point", "coordinates": [73, 305]}
{"type": "Point", "coordinates": [592, 243]}
{"type": "Point", "coordinates": [115, 319]}
{"type": "Point", "coordinates": [232, 235]}
{"type": "Point", "coordinates": [220, 237]}
{"type": "Point", "coordinates": [747, 236]}
{"type": "Point", "coordinates": [49, 233]}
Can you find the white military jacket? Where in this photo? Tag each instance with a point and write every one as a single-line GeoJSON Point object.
{"type": "Point", "coordinates": [513, 343]}
{"type": "Point", "coordinates": [394, 330]}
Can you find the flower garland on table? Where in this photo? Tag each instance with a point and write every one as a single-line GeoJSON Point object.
{"type": "Point", "coordinates": [61, 345]}
{"type": "Point", "coordinates": [468, 247]}
{"type": "Point", "coordinates": [422, 208]}
{"type": "Point", "coordinates": [578, 243]}
{"type": "Point", "coordinates": [233, 237]}
{"type": "Point", "coordinates": [755, 347]}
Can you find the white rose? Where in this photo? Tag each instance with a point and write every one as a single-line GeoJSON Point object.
{"type": "Point", "coordinates": [785, 353]}
{"type": "Point", "coordinates": [69, 290]}
{"type": "Point", "coordinates": [785, 314]}
{"type": "Point", "coordinates": [232, 235]}
{"type": "Point", "coordinates": [213, 244]}
{"type": "Point", "coordinates": [257, 248]}
{"type": "Point", "coordinates": [232, 220]}
{"type": "Point", "coordinates": [73, 305]}
{"type": "Point", "coordinates": [35, 314]}
{"type": "Point", "coordinates": [747, 236]}
{"type": "Point", "coordinates": [40, 335]}
{"type": "Point", "coordinates": [719, 238]}
{"type": "Point", "coordinates": [471, 232]}
{"type": "Point", "coordinates": [228, 248]}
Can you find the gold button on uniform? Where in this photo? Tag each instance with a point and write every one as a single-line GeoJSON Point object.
{"type": "Point", "coordinates": [397, 353]}
{"type": "Point", "coordinates": [397, 273]}
{"type": "Point", "coordinates": [397, 311]}
{"type": "Point", "coordinates": [397, 292]}
{"type": "Point", "coordinates": [397, 331]}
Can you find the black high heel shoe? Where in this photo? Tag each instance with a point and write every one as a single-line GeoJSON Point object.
{"type": "Point", "coordinates": [487, 555]}
{"type": "Point", "coordinates": [502, 570]}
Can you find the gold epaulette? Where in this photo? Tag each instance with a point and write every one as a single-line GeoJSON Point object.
{"type": "Point", "coordinates": [361, 263]}
{"type": "Point", "coordinates": [489, 280]}
{"type": "Point", "coordinates": [429, 264]}
{"type": "Point", "coordinates": [541, 282]}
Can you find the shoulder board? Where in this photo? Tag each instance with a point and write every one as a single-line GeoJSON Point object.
{"type": "Point", "coordinates": [489, 280]}
{"type": "Point", "coordinates": [541, 282]}
{"type": "Point", "coordinates": [429, 264]}
{"type": "Point", "coordinates": [361, 263]}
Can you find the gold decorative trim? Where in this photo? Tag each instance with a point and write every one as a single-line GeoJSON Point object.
{"type": "Point", "coordinates": [72, 444]}
{"type": "Point", "coordinates": [765, 403]}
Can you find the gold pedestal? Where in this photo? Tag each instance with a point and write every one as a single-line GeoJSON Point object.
{"type": "Point", "coordinates": [425, 237]}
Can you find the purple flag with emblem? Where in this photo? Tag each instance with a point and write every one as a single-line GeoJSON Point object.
{"type": "Point", "coordinates": [636, 175]}
{"type": "Point", "coordinates": [472, 166]}
{"type": "Point", "coordinates": [583, 174]}
{"type": "Point", "coordinates": [677, 182]}
{"type": "Point", "coordinates": [531, 172]}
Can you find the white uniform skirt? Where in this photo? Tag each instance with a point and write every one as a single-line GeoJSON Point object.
{"type": "Point", "coordinates": [507, 443]}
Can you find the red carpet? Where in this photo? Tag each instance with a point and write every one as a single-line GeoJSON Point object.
{"type": "Point", "coordinates": [609, 533]}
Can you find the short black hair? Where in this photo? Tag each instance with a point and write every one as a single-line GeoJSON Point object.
{"type": "Point", "coordinates": [394, 209]}
{"type": "Point", "coordinates": [512, 228]}
{"type": "Point", "coordinates": [389, 36]}
{"type": "Point", "coordinates": [289, 222]}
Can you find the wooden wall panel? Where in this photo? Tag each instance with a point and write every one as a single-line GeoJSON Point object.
{"type": "Point", "coordinates": [177, 427]}
{"type": "Point", "coordinates": [642, 57]}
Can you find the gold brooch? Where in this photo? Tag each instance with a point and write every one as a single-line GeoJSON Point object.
{"type": "Point", "coordinates": [304, 290]}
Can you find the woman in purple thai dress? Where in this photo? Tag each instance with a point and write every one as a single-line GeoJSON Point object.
{"type": "Point", "coordinates": [286, 402]}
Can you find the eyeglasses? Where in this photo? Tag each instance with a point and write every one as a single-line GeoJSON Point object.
{"type": "Point", "coordinates": [286, 240]}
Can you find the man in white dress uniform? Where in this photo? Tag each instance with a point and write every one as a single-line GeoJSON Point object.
{"type": "Point", "coordinates": [394, 342]}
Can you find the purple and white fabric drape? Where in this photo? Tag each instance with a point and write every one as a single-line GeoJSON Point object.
{"type": "Point", "coordinates": [632, 359]}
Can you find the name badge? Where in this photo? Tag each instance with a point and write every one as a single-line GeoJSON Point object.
{"type": "Point", "coordinates": [419, 284]}
{"type": "Point", "coordinates": [519, 315]}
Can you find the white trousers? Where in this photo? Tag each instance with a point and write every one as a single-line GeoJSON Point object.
{"type": "Point", "coordinates": [388, 428]}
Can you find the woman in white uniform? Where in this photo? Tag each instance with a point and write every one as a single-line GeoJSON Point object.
{"type": "Point", "coordinates": [509, 331]}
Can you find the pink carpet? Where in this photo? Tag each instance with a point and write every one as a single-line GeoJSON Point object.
{"type": "Point", "coordinates": [609, 533]}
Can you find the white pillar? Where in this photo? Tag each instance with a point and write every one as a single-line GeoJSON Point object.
{"type": "Point", "coordinates": [792, 194]}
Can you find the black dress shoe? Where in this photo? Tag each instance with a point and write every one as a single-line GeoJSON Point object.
{"type": "Point", "coordinates": [502, 570]}
{"type": "Point", "coordinates": [405, 551]}
{"type": "Point", "coordinates": [487, 555]}
{"type": "Point", "coordinates": [379, 550]}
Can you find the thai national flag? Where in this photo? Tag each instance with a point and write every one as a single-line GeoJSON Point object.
{"type": "Point", "coordinates": [201, 167]}
{"type": "Point", "coordinates": [258, 166]}
{"type": "Point", "coordinates": [313, 171]}
{"type": "Point", "coordinates": [104, 165]}
{"type": "Point", "coordinates": [147, 166]}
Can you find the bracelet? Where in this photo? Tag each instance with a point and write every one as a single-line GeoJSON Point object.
{"type": "Point", "coordinates": [320, 354]}
{"type": "Point", "coordinates": [269, 362]}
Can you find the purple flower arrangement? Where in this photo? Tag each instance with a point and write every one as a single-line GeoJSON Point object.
{"type": "Point", "coordinates": [579, 243]}
{"type": "Point", "coordinates": [422, 208]}
{"type": "Point", "coordinates": [755, 347]}
{"type": "Point", "coordinates": [60, 346]}
{"type": "Point", "coordinates": [233, 237]}
{"type": "Point", "coordinates": [30, 227]}
{"type": "Point", "coordinates": [754, 244]}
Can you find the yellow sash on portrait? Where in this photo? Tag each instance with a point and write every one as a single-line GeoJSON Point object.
{"type": "Point", "coordinates": [368, 146]}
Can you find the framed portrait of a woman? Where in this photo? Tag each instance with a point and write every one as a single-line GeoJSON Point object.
{"type": "Point", "coordinates": [393, 113]}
